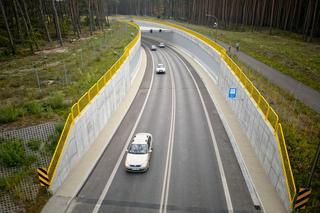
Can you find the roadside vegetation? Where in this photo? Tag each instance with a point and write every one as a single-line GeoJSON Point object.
{"type": "Point", "coordinates": [284, 51]}
{"type": "Point", "coordinates": [43, 86]}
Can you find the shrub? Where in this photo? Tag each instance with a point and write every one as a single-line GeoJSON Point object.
{"type": "Point", "coordinates": [56, 100]}
{"type": "Point", "coordinates": [34, 107]}
{"type": "Point", "coordinates": [9, 113]}
{"type": "Point", "coordinates": [34, 144]}
{"type": "Point", "coordinates": [12, 153]}
{"type": "Point", "coordinates": [54, 138]}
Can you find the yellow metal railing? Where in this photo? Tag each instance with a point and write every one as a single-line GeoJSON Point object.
{"type": "Point", "coordinates": [269, 114]}
{"type": "Point", "coordinates": [84, 101]}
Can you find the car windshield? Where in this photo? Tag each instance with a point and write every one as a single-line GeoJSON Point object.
{"type": "Point", "coordinates": [138, 149]}
{"type": "Point", "coordinates": [160, 65]}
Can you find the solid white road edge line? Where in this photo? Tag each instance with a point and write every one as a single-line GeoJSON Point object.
{"type": "Point", "coordinates": [167, 174]}
{"type": "Point", "coordinates": [115, 169]}
{"type": "Point", "coordinates": [216, 149]}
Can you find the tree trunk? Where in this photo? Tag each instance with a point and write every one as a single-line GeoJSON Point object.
{"type": "Point", "coordinates": [253, 15]}
{"type": "Point", "coordinates": [97, 14]}
{"type": "Point", "coordinates": [263, 11]}
{"type": "Point", "coordinates": [56, 20]}
{"type": "Point", "coordinates": [43, 20]}
{"type": "Point", "coordinates": [90, 17]}
{"type": "Point", "coordinates": [26, 26]}
{"type": "Point", "coordinates": [307, 21]}
{"type": "Point", "coordinates": [314, 20]}
{"type": "Point", "coordinates": [16, 15]}
{"type": "Point", "coordinates": [271, 18]}
{"type": "Point", "coordinates": [29, 24]}
{"type": "Point", "coordinates": [13, 50]}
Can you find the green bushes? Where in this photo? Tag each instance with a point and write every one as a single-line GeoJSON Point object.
{"type": "Point", "coordinates": [54, 138]}
{"type": "Point", "coordinates": [34, 107]}
{"type": "Point", "coordinates": [56, 100]}
{"type": "Point", "coordinates": [34, 144]}
{"type": "Point", "coordinates": [12, 153]}
{"type": "Point", "coordinates": [9, 113]}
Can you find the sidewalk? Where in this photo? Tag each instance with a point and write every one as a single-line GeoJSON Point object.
{"type": "Point", "coordinates": [305, 94]}
{"type": "Point", "coordinates": [60, 201]}
{"type": "Point", "coordinates": [259, 184]}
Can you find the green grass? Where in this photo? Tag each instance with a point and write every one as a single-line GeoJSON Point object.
{"type": "Point", "coordinates": [301, 127]}
{"type": "Point", "coordinates": [63, 76]}
{"type": "Point", "coordinates": [284, 51]}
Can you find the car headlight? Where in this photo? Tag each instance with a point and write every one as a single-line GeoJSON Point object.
{"type": "Point", "coordinates": [144, 164]}
{"type": "Point", "coordinates": [127, 164]}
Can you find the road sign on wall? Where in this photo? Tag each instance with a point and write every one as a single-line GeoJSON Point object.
{"type": "Point", "coordinates": [232, 93]}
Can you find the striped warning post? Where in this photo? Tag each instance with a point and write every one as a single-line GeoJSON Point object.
{"type": "Point", "coordinates": [302, 198]}
{"type": "Point", "coordinates": [43, 177]}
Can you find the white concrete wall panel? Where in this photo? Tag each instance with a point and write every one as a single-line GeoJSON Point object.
{"type": "Point", "coordinates": [88, 125]}
{"type": "Point", "coordinates": [259, 132]}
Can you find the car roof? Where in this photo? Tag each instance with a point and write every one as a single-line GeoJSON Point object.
{"type": "Point", "coordinates": [141, 138]}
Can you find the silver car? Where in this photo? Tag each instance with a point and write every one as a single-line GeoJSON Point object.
{"type": "Point", "coordinates": [153, 47]}
{"type": "Point", "coordinates": [139, 153]}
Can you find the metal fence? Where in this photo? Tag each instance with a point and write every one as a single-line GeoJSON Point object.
{"type": "Point", "coordinates": [84, 101]}
{"type": "Point", "coordinates": [269, 114]}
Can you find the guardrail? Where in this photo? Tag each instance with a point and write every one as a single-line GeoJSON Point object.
{"type": "Point", "coordinates": [84, 101]}
{"type": "Point", "coordinates": [269, 114]}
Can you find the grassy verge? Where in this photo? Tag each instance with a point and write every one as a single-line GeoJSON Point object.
{"type": "Point", "coordinates": [42, 87]}
{"type": "Point", "coordinates": [284, 51]}
{"type": "Point", "coordinates": [301, 127]}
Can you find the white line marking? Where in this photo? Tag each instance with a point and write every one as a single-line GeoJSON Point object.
{"type": "Point", "coordinates": [167, 174]}
{"type": "Point", "coordinates": [216, 149]}
{"type": "Point", "coordinates": [115, 169]}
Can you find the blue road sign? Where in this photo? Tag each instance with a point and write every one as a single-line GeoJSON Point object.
{"type": "Point", "coordinates": [232, 93]}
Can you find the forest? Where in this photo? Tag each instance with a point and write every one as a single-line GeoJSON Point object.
{"type": "Point", "coordinates": [299, 16]}
{"type": "Point", "coordinates": [31, 22]}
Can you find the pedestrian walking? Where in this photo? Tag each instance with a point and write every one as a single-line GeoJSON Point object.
{"type": "Point", "coordinates": [238, 46]}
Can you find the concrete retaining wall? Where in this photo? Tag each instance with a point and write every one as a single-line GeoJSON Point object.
{"type": "Point", "coordinates": [258, 130]}
{"type": "Point", "coordinates": [96, 115]}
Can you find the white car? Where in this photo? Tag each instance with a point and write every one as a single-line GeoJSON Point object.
{"type": "Point", "coordinates": [161, 45]}
{"type": "Point", "coordinates": [139, 153]}
{"type": "Point", "coordinates": [160, 68]}
{"type": "Point", "coordinates": [153, 47]}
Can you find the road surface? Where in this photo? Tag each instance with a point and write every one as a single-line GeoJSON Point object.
{"type": "Point", "coordinates": [193, 167]}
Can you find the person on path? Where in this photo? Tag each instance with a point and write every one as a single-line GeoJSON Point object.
{"type": "Point", "coordinates": [238, 46]}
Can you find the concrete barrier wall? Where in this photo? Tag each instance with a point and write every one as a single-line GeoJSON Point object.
{"type": "Point", "coordinates": [258, 130]}
{"type": "Point", "coordinates": [96, 115]}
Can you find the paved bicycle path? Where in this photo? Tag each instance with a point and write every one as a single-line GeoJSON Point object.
{"type": "Point", "coordinates": [300, 91]}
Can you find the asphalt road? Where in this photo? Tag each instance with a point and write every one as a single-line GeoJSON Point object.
{"type": "Point", "coordinates": [193, 167]}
